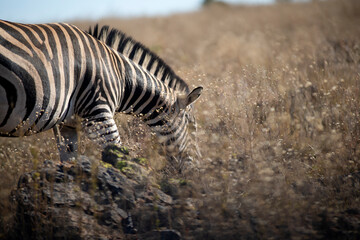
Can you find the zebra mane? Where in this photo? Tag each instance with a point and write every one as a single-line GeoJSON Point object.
{"type": "Point", "coordinates": [137, 52]}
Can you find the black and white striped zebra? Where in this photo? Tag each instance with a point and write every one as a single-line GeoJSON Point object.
{"type": "Point", "coordinates": [54, 75]}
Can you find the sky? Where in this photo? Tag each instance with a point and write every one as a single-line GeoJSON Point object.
{"type": "Point", "coordinates": [42, 11]}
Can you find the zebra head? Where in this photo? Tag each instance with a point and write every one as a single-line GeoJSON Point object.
{"type": "Point", "coordinates": [178, 131]}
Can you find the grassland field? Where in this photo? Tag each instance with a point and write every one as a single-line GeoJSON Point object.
{"type": "Point", "coordinates": [278, 121]}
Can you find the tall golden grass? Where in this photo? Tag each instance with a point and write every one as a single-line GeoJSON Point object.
{"type": "Point", "coordinates": [279, 120]}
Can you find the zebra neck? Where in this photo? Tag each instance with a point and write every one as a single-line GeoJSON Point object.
{"type": "Point", "coordinates": [143, 93]}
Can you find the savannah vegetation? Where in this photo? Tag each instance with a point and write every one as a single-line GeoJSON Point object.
{"type": "Point", "coordinates": [278, 121]}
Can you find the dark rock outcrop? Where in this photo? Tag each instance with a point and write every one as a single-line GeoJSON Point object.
{"type": "Point", "coordinates": [116, 199]}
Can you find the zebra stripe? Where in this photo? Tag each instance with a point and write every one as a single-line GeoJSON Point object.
{"type": "Point", "coordinates": [55, 76]}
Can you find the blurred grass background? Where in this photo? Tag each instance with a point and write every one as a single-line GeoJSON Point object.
{"type": "Point", "coordinates": [279, 120]}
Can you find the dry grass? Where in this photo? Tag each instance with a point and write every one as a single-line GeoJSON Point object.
{"type": "Point", "coordinates": [279, 119]}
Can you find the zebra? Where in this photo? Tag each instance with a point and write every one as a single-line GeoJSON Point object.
{"type": "Point", "coordinates": [55, 76]}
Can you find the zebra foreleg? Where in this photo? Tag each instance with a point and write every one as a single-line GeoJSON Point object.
{"type": "Point", "coordinates": [67, 142]}
{"type": "Point", "coordinates": [102, 131]}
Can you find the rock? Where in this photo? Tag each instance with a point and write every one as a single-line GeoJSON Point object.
{"type": "Point", "coordinates": [112, 153]}
{"type": "Point", "coordinates": [87, 200]}
{"type": "Point", "coordinates": [166, 234]}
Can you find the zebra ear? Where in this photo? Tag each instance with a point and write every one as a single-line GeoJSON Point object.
{"type": "Point", "coordinates": [193, 96]}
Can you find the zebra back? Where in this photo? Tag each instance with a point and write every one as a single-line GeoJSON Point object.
{"type": "Point", "coordinates": [139, 54]}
